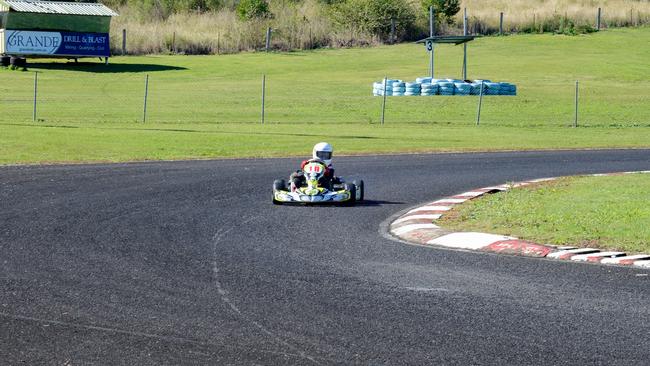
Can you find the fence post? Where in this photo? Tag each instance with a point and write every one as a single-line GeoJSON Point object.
{"type": "Point", "coordinates": [392, 30]}
{"type": "Point", "coordinates": [431, 32]}
{"type": "Point", "coordinates": [383, 104]}
{"type": "Point", "coordinates": [123, 42]}
{"type": "Point", "coordinates": [465, 44]}
{"type": "Point", "coordinates": [263, 96]}
{"type": "Point", "coordinates": [35, 95]}
{"type": "Point", "coordinates": [501, 24]}
{"type": "Point", "coordinates": [575, 120]}
{"type": "Point", "coordinates": [146, 95]}
{"type": "Point", "coordinates": [598, 19]}
{"type": "Point", "coordinates": [268, 39]}
{"type": "Point", "coordinates": [174, 42]}
{"type": "Point", "coordinates": [480, 102]}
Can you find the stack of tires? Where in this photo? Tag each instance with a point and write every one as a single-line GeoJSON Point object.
{"type": "Point", "coordinates": [427, 86]}
{"type": "Point", "coordinates": [476, 87]}
{"type": "Point", "coordinates": [507, 89]}
{"type": "Point", "coordinates": [428, 89]}
{"type": "Point", "coordinates": [446, 88]}
{"type": "Point", "coordinates": [413, 89]}
{"type": "Point", "coordinates": [378, 87]}
{"type": "Point", "coordinates": [462, 88]}
{"type": "Point", "coordinates": [5, 61]}
{"type": "Point", "coordinates": [399, 88]}
{"type": "Point", "coordinates": [492, 88]}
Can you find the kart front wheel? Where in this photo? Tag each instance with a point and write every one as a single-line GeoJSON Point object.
{"type": "Point", "coordinates": [353, 192]}
{"type": "Point", "coordinates": [360, 189]}
{"type": "Point", "coordinates": [279, 185]}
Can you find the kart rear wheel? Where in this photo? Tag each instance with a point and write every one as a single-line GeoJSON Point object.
{"type": "Point", "coordinates": [353, 193]}
{"type": "Point", "coordinates": [360, 189]}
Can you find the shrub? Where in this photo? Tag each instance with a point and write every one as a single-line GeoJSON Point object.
{"type": "Point", "coordinates": [250, 9]}
{"type": "Point", "coordinates": [374, 16]}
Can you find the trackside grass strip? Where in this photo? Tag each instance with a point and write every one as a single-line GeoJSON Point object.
{"type": "Point", "coordinates": [610, 212]}
{"type": "Point", "coordinates": [209, 106]}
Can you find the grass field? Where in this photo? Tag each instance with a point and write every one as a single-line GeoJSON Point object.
{"type": "Point", "coordinates": [602, 212]}
{"type": "Point", "coordinates": [209, 106]}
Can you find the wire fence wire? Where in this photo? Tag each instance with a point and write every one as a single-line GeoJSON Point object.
{"type": "Point", "coordinates": [117, 98]}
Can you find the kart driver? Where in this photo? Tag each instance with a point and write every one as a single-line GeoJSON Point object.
{"type": "Point", "coordinates": [322, 151]}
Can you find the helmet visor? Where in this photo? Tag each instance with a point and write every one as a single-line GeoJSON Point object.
{"type": "Point", "coordinates": [324, 155]}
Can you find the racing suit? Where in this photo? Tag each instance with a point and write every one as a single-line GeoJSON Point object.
{"type": "Point", "coordinates": [328, 179]}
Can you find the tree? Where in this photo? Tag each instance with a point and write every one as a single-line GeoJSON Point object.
{"type": "Point", "coordinates": [445, 9]}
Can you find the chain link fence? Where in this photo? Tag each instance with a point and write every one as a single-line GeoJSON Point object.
{"type": "Point", "coordinates": [74, 97]}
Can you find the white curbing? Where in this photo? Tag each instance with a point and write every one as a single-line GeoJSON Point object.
{"type": "Point", "coordinates": [643, 264]}
{"type": "Point", "coordinates": [468, 240]}
{"type": "Point", "coordinates": [596, 257]}
{"type": "Point", "coordinates": [431, 208]}
{"type": "Point", "coordinates": [417, 217]}
{"type": "Point", "coordinates": [484, 241]}
{"type": "Point", "coordinates": [408, 228]}
{"type": "Point", "coordinates": [565, 253]}
{"type": "Point", "coordinates": [450, 200]}
{"type": "Point", "coordinates": [626, 259]}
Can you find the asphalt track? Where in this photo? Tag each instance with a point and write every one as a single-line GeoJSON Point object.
{"type": "Point", "coordinates": [189, 263]}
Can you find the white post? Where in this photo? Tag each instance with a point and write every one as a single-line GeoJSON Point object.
{"type": "Point", "coordinates": [431, 32]}
{"type": "Point", "coordinates": [575, 120]}
{"type": "Point", "coordinates": [35, 95]}
{"type": "Point", "coordinates": [465, 45]}
{"type": "Point", "coordinates": [146, 95]}
{"type": "Point", "coordinates": [383, 104]}
{"type": "Point", "coordinates": [263, 96]}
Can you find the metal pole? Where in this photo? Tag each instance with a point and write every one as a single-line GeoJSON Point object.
{"type": "Point", "coordinates": [263, 96]}
{"type": "Point", "coordinates": [123, 42]}
{"type": "Point", "coordinates": [598, 19]}
{"type": "Point", "coordinates": [35, 95]}
{"type": "Point", "coordinates": [480, 102]}
{"type": "Point", "coordinates": [465, 45]}
{"type": "Point", "coordinates": [174, 42]}
{"type": "Point", "coordinates": [392, 30]}
{"type": "Point", "coordinates": [431, 32]}
{"type": "Point", "coordinates": [575, 120]}
{"type": "Point", "coordinates": [501, 24]}
{"type": "Point", "coordinates": [383, 105]}
{"type": "Point", "coordinates": [146, 95]}
{"type": "Point", "coordinates": [268, 39]}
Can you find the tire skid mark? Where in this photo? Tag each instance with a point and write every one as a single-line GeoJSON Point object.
{"type": "Point", "coordinates": [223, 293]}
{"type": "Point", "coordinates": [136, 333]}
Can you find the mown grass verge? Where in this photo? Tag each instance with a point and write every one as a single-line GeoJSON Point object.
{"type": "Point", "coordinates": [209, 106]}
{"type": "Point", "coordinates": [602, 212]}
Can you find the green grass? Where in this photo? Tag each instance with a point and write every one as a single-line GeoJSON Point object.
{"type": "Point", "coordinates": [209, 106]}
{"type": "Point", "coordinates": [603, 212]}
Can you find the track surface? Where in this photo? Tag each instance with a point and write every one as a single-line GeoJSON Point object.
{"type": "Point", "coordinates": [189, 263]}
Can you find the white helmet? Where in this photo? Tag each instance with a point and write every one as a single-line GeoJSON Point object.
{"type": "Point", "coordinates": [323, 151]}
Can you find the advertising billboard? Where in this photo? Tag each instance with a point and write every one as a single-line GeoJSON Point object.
{"type": "Point", "coordinates": [32, 43]}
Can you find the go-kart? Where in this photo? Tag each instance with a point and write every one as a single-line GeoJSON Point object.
{"type": "Point", "coordinates": [314, 192]}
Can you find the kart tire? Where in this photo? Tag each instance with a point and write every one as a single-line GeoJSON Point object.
{"type": "Point", "coordinates": [279, 185]}
{"type": "Point", "coordinates": [360, 189]}
{"type": "Point", "coordinates": [353, 193]}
